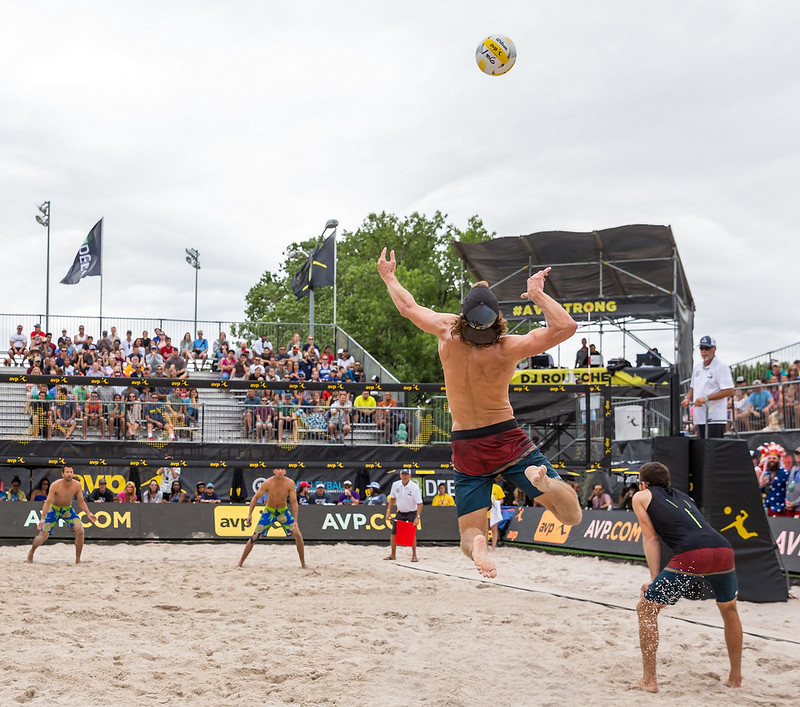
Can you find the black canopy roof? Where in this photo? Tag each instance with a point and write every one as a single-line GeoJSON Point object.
{"type": "Point", "coordinates": [637, 260]}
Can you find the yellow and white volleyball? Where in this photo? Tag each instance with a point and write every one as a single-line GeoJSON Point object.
{"type": "Point", "coordinates": [496, 55]}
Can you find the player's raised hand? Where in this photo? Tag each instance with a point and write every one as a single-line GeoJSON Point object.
{"type": "Point", "coordinates": [386, 267]}
{"type": "Point", "coordinates": [535, 284]}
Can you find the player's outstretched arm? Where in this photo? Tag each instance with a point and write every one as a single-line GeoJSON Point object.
{"type": "Point", "coordinates": [426, 319]}
{"type": "Point", "coordinates": [560, 325]}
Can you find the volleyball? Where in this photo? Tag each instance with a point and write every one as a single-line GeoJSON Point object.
{"type": "Point", "coordinates": [496, 55]}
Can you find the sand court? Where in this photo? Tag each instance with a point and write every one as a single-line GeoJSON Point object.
{"type": "Point", "coordinates": [158, 623]}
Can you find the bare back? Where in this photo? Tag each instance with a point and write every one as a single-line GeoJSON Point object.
{"type": "Point", "coordinates": [62, 492]}
{"type": "Point", "coordinates": [477, 379]}
{"type": "Point", "coordinates": [278, 490]}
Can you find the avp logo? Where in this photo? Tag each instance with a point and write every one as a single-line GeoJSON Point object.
{"type": "Point", "coordinates": [738, 524]}
{"type": "Point", "coordinates": [105, 519]}
{"type": "Point", "coordinates": [625, 531]}
{"type": "Point", "coordinates": [229, 522]}
{"type": "Point", "coordinates": [357, 521]}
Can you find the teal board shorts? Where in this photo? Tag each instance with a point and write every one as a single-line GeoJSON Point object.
{"type": "Point", "coordinates": [271, 515]}
{"type": "Point", "coordinates": [56, 513]}
{"type": "Point", "coordinates": [482, 454]}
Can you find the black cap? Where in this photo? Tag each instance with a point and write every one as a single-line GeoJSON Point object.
{"type": "Point", "coordinates": [481, 310]}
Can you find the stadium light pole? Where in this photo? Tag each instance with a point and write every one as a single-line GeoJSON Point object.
{"type": "Point", "coordinates": [43, 219]}
{"type": "Point", "coordinates": [193, 258]}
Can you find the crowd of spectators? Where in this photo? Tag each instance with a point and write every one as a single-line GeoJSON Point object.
{"type": "Point", "coordinates": [771, 403]}
{"type": "Point", "coordinates": [277, 415]}
{"type": "Point", "coordinates": [124, 412]}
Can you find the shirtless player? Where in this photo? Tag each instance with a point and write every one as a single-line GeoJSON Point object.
{"type": "Point", "coordinates": [479, 360]}
{"type": "Point", "coordinates": [58, 506]}
{"type": "Point", "coordinates": [277, 488]}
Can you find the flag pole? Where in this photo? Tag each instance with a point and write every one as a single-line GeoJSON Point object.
{"type": "Point", "coordinates": [334, 288]}
{"type": "Point", "coordinates": [102, 248]}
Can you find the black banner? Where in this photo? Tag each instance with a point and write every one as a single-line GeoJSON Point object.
{"type": "Point", "coordinates": [318, 271]}
{"type": "Point", "coordinates": [225, 480]}
{"type": "Point", "coordinates": [183, 521]}
{"type": "Point", "coordinates": [618, 533]}
{"type": "Point", "coordinates": [642, 306]}
{"type": "Point", "coordinates": [88, 260]}
{"type": "Point", "coordinates": [726, 488]}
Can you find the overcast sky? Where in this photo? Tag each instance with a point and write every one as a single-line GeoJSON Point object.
{"type": "Point", "coordinates": [239, 127]}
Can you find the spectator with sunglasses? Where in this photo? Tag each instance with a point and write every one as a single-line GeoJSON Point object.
{"type": "Point", "coordinates": [709, 390]}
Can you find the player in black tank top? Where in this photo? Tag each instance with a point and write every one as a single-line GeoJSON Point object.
{"type": "Point", "coordinates": [701, 555]}
{"type": "Point", "coordinates": [679, 523]}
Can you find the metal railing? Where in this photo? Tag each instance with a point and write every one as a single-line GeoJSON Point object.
{"type": "Point", "coordinates": [768, 407]}
{"type": "Point", "coordinates": [231, 420]}
{"type": "Point", "coordinates": [758, 366]}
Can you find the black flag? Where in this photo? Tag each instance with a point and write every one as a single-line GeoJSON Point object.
{"type": "Point", "coordinates": [87, 262]}
{"type": "Point", "coordinates": [318, 271]}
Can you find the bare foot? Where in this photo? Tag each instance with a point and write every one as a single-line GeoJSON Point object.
{"type": "Point", "coordinates": [389, 557]}
{"type": "Point", "coordinates": [734, 681]}
{"type": "Point", "coordinates": [646, 685]}
{"type": "Point", "coordinates": [537, 475]}
{"type": "Point", "coordinates": [30, 558]}
{"type": "Point", "coordinates": [480, 556]}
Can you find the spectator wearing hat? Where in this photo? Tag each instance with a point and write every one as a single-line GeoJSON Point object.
{"type": "Point", "coordinates": [321, 497]}
{"type": "Point", "coordinates": [303, 498]}
{"type": "Point", "coordinates": [773, 483]}
{"type": "Point", "coordinates": [102, 494]}
{"type": "Point", "coordinates": [209, 495]}
{"type": "Point", "coordinates": [376, 497]}
{"type": "Point", "coordinates": [344, 359]}
{"type": "Point", "coordinates": [199, 490]}
{"type": "Point", "coordinates": [199, 351]}
{"type": "Point", "coordinates": [349, 496]}
{"type": "Point", "coordinates": [711, 385]}
{"type": "Point", "coordinates": [760, 405]}
{"type": "Point", "coordinates": [407, 496]}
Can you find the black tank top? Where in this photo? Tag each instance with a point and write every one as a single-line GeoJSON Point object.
{"type": "Point", "coordinates": [679, 523]}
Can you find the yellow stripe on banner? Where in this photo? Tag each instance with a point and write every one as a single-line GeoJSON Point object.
{"type": "Point", "coordinates": [496, 49]}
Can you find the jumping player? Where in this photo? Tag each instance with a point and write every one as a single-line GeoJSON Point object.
{"type": "Point", "coordinates": [479, 360]}
{"type": "Point", "coordinates": [58, 506]}
{"type": "Point", "coordinates": [277, 488]}
{"type": "Point", "coordinates": [701, 553]}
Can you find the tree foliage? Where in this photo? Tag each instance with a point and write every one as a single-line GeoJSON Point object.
{"type": "Point", "coordinates": [427, 266]}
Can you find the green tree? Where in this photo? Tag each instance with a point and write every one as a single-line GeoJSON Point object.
{"type": "Point", "coordinates": [427, 265]}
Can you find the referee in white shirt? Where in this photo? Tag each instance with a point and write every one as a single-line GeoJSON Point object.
{"type": "Point", "coordinates": [408, 499]}
{"type": "Point", "coordinates": [711, 386]}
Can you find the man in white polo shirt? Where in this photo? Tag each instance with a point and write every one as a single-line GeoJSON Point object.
{"type": "Point", "coordinates": [408, 498]}
{"type": "Point", "coordinates": [710, 388]}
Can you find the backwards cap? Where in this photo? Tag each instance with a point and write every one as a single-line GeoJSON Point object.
{"type": "Point", "coordinates": [481, 310]}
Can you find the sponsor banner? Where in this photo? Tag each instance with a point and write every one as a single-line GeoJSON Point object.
{"type": "Point", "coordinates": [613, 531]}
{"type": "Point", "coordinates": [224, 522]}
{"type": "Point", "coordinates": [618, 532]}
{"type": "Point", "coordinates": [786, 532]}
{"type": "Point", "coordinates": [627, 377]}
{"type": "Point", "coordinates": [647, 306]}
